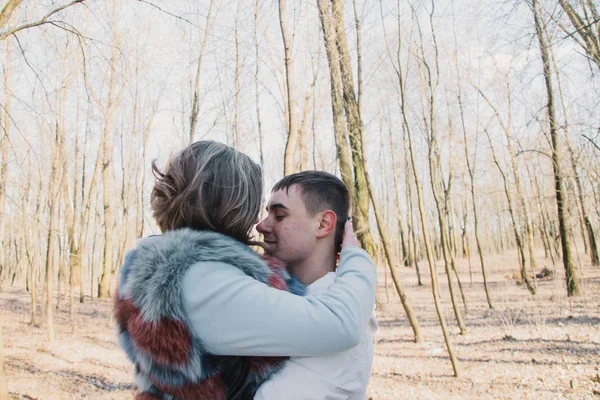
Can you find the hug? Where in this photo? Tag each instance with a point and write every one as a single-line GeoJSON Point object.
{"type": "Point", "coordinates": [206, 312]}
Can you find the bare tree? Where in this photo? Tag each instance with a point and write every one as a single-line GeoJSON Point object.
{"type": "Point", "coordinates": [570, 275]}
{"type": "Point", "coordinates": [420, 201]}
{"type": "Point", "coordinates": [354, 125]}
{"type": "Point", "coordinates": [10, 7]}
{"type": "Point", "coordinates": [337, 106]}
{"type": "Point", "coordinates": [112, 102]}
{"type": "Point", "coordinates": [54, 186]}
{"type": "Point", "coordinates": [4, 147]}
{"type": "Point", "coordinates": [289, 161]}
{"type": "Point", "coordinates": [587, 27]}
{"type": "Point", "coordinates": [3, 380]}
{"type": "Point", "coordinates": [589, 239]}
{"type": "Point", "coordinates": [509, 197]}
{"type": "Point", "coordinates": [196, 95]}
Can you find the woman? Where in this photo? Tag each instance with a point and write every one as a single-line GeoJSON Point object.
{"type": "Point", "coordinates": [198, 293]}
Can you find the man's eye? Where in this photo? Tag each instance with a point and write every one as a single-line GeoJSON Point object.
{"type": "Point", "coordinates": [279, 217]}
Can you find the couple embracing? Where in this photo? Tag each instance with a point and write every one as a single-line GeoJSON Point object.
{"type": "Point", "coordinates": [202, 315]}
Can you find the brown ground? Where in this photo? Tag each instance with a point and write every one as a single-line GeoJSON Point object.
{"type": "Point", "coordinates": [542, 347]}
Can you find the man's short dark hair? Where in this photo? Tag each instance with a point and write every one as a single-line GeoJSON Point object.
{"type": "Point", "coordinates": [321, 191]}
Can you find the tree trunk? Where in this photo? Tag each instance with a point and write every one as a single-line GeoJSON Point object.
{"type": "Point", "coordinates": [421, 205]}
{"type": "Point", "coordinates": [584, 28]}
{"type": "Point", "coordinates": [570, 275]}
{"type": "Point", "coordinates": [107, 170]}
{"type": "Point", "coordinates": [50, 237]}
{"type": "Point", "coordinates": [289, 162]}
{"type": "Point", "coordinates": [354, 124]}
{"type": "Point", "coordinates": [237, 131]}
{"type": "Point", "coordinates": [589, 239]}
{"type": "Point", "coordinates": [393, 264]}
{"type": "Point", "coordinates": [511, 211]}
{"type": "Point", "coordinates": [3, 380]}
{"type": "Point", "coordinates": [196, 96]}
{"type": "Point", "coordinates": [355, 133]}
{"type": "Point", "coordinates": [403, 246]}
{"type": "Point", "coordinates": [7, 10]}
{"type": "Point", "coordinates": [337, 106]}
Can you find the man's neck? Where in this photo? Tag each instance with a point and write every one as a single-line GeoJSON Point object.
{"type": "Point", "coordinates": [313, 268]}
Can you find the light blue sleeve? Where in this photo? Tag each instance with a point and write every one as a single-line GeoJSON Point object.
{"type": "Point", "coordinates": [237, 315]}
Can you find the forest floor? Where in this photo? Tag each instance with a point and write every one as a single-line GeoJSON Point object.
{"type": "Point", "coordinates": [541, 347]}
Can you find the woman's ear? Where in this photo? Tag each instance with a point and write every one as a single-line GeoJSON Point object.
{"type": "Point", "coordinates": [327, 223]}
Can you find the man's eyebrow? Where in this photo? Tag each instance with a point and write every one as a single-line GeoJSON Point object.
{"type": "Point", "coordinates": [276, 206]}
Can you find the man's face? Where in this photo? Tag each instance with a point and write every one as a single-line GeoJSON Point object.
{"type": "Point", "coordinates": [288, 229]}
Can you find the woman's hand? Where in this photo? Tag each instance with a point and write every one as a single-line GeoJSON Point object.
{"type": "Point", "coordinates": [349, 239]}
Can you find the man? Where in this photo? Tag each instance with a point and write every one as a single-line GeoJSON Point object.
{"type": "Point", "coordinates": [304, 227]}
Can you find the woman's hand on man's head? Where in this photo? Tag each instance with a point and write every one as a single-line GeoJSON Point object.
{"type": "Point", "coordinates": [349, 239]}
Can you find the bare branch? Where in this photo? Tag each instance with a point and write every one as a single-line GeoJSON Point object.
{"type": "Point", "coordinates": [168, 13]}
{"type": "Point", "coordinates": [592, 142]}
{"type": "Point", "coordinates": [42, 21]}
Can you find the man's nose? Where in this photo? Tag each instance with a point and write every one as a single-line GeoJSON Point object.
{"type": "Point", "coordinates": [263, 226]}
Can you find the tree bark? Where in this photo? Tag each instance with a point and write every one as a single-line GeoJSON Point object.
{"type": "Point", "coordinates": [337, 106]}
{"type": "Point", "coordinates": [4, 147]}
{"type": "Point", "coordinates": [421, 205]}
{"type": "Point", "coordinates": [570, 274]}
{"type": "Point", "coordinates": [355, 133]}
{"type": "Point", "coordinates": [107, 170]}
{"type": "Point", "coordinates": [196, 96]}
{"type": "Point", "coordinates": [589, 239]}
{"type": "Point", "coordinates": [584, 28]}
{"type": "Point", "coordinates": [7, 10]}
{"type": "Point", "coordinates": [50, 245]}
{"type": "Point", "coordinates": [289, 163]}
{"type": "Point", "coordinates": [3, 380]}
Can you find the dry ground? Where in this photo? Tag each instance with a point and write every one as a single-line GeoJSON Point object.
{"type": "Point", "coordinates": [542, 347]}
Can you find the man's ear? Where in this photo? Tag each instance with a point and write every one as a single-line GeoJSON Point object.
{"type": "Point", "coordinates": [327, 223]}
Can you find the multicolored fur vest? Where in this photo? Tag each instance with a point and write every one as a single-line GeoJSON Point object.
{"type": "Point", "coordinates": [154, 330]}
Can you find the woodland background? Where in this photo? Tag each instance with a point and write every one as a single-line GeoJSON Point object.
{"type": "Point", "coordinates": [467, 131]}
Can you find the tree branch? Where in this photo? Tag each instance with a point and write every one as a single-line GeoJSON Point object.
{"type": "Point", "coordinates": [592, 142]}
{"type": "Point", "coordinates": [168, 13]}
{"type": "Point", "coordinates": [42, 21]}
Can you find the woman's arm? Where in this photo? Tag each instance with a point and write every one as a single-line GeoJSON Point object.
{"type": "Point", "coordinates": [237, 315]}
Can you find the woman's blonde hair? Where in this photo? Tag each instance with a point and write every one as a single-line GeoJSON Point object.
{"type": "Point", "coordinates": [208, 186]}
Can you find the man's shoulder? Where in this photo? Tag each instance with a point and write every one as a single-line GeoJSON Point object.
{"type": "Point", "coordinates": [321, 284]}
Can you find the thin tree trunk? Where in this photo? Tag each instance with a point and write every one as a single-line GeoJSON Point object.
{"type": "Point", "coordinates": [3, 380]}
{"type": "Point", "coordinates": [107, 170]}
{"type": "Point", "coordinates": [570, 275]}
{"type": "Point", "coordinates": [196, 95]}
{"type": "Point", "coordinates": [237, 132]}
{"type": "Point", "coordinates": [256, 90]}
{"type": "Point", "coordinates": [50, 238]}
{"type": "Point", "coordinates": [528, 226]}
{"type": "Point", "coordinates": [289, 162]}
{"type": "Point", "coordinates": [584, 29]}
{"type": "Point", "coordinates": [362, 181]}
{"type": "Point", "coordinates": [589, 238]}
{"type": "Point", "coordinates": [358, 59]}
{"type": "Point", "coordinates": [511, 211]}
{"type": "Point", "coordinates": [435, 169]}
{"type": "Point", "coordinates": [393, 265]}
{"type": "Point", "coordinates": [413, 235]}
{"type": "Point", "coordinates": [4, 136]}
{"type": "Point", "coordinates": [421, 205]}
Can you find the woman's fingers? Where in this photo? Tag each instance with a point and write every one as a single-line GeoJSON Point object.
{"type": "Point", "coordinates": [349, 238]}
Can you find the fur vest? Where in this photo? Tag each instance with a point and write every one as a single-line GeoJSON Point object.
{"type": "Point", "coordinates": [154, 329]}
